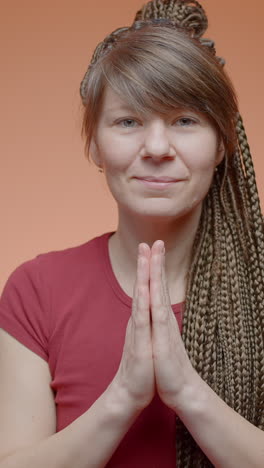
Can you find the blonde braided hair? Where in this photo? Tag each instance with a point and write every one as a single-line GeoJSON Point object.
{"type": "Point", "coordinates": [223, 325]}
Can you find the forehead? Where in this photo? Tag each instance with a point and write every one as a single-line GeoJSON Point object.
{"type": "Point", "coordinates": [112, 102]}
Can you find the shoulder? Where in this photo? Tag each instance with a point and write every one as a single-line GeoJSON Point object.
{"type": "Point", "coordinates": [47, 265]}
{"type": "Point", "coordinates": [39, 289]}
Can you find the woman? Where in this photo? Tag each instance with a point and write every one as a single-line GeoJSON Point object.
{"type": "Point", "coordinates": [110, 376]}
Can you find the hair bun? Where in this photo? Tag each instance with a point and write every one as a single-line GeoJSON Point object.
{"type": "Point", "coordinates": [187, 14]}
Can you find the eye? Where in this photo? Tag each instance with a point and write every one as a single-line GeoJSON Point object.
{"type": "Point", "coordinates": [186, 122]}
{"type": "Point", "coordinates": [127, 123]}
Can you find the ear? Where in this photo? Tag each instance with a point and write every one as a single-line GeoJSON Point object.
{"type": "Point", "coordinates": [220, 152]}
{"type": "Point", "coordinates": [93, 150]}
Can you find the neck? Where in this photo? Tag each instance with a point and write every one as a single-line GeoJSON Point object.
{"type": "Point", "coordinates": [178, 236]}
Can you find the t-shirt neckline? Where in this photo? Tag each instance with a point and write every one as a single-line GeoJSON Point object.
{"type": "Point", "coordinates": [112, 280]}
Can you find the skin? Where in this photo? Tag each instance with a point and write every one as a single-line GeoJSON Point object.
{"type": "Point", "coordinates": [184, 145]}
{"type": "Point", "coordinates": [157, 146]}
{"type": "Point", "coordinates": [154, 357]}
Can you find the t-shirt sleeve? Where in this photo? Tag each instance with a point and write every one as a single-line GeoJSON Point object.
{"type": "Point", "coordinates": [24, 308]}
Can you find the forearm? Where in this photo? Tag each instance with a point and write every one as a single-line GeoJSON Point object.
{"type": "Point", "coordinates": [226, 438]}
{"type": "Point", "coordinates": [88, 442]}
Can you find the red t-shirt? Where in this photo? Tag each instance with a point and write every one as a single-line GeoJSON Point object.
{"type": "Point", "coordinates": [68, 307]}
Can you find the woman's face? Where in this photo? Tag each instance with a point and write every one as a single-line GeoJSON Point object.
{"type": "Point", "coordinates": [182, 146]}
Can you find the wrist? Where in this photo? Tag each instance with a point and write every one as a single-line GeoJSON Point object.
{"type": "Point", "coordinates": [192, 398]}
{"type": "Point", "coordinates": [119, 403]}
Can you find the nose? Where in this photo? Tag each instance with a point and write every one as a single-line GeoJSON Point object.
{"type": "Point", "coordinates": [156, 141]}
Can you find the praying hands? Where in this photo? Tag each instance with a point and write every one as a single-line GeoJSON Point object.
{"type": "Point", "coordinates": [154, 357]}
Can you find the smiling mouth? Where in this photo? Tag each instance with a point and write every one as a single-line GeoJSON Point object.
{"type": "Point", "coordinates": [157, 184]}
{"type": "Point", "coordinates": [158, 179]}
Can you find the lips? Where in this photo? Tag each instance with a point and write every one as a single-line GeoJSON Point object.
{"type": "Point", "coordinates": [158, 179]}
{"type": "Point", "coordinates": [156, 184]}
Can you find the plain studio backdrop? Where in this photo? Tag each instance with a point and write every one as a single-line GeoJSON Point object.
{"type": "Point", "coordinates": [51, 197]}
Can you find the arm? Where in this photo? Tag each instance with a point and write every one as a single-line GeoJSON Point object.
{"type": "Point", "coordinates": [28, 417]}
{"type": "Point", "coordinates": [227, 439]}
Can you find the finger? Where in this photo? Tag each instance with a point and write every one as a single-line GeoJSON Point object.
{"type": "Point", "coordinates": [141, 302]}
{"type": "Point", "coordinates": [165, 289]}
{"type": "Point", "coordinates": [166, 295]}
{"type": "Point", "coordinates": [157, 298]}
{"type": "Point", "coordinates": [142, 251]}
{"type": "Point", "coordinates": [159, 309]}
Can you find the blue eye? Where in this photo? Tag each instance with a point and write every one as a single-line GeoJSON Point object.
{"type": "Point", "coordinates": [186, 120]}
{"type": "Point", "coordinates": [128, 123]}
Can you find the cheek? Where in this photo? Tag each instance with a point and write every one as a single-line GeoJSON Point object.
{"type": "Point", "coordinates": [200, 153]}
{"type": "Point", "coordinates": [116, 153]}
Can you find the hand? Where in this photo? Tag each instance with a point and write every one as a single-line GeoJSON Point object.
{"type": "Point", "coordinates": [173, 369]}
{"type": "Point", "coordinates": [154, 356]}
{"type": "Point", "coordinates": [136, 371]}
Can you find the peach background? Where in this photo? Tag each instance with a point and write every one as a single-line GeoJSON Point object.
{"type": "Point", "coordinates": [51, 198]}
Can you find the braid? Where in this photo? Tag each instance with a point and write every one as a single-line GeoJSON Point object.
{"type": "Point", "coordinates": [195, 270]}
{"type": "Point", "coordinates": [223, 323]}
{"type": "Point", "coordinates": [186, 14]}
{"type": "Point", "coordinates": [258, 256]}
{"type": "Point", "coordinates": [244, 353]}
{"type": "Point", "coordinates": [159, 11]}
{"type": "Point", "coordinates": [225, 283]}
{"type": "Point", "coordinates": [103, 47]}
{"type": "Point", "coordinates": [234, 312]}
